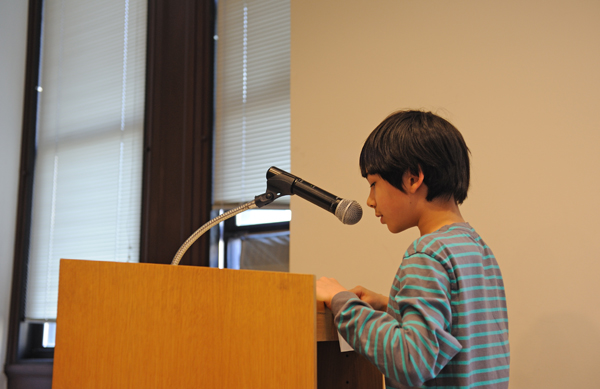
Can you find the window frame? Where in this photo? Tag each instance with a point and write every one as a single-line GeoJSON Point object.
{"type": "Point", "coordinates": [231, 230]}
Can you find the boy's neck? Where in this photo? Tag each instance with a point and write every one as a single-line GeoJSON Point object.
{"type": "Point", "coordinates": [437, 214]}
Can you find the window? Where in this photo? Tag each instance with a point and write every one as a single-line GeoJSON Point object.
{"type": "Point", "coordinates": [88, 167]}
{"type": "Point", "coordinates": [252, 129]}
{"type": "Point", "coordinates": [256, 239]}
{"type": "Point", "coordinates": [176, 152]}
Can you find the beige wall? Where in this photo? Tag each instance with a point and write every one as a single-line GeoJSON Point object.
{"type": "Point", "coordinates": [521, 80]}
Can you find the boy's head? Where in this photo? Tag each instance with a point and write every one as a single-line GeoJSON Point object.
{"type": "Point", "coordinates": [413, 141]}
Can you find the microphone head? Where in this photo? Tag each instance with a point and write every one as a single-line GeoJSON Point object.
{"type": "Point", "coordinates": [348, 211]}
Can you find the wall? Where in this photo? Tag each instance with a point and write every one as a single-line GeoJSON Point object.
{"type": "Point", "coordinates": [13, 35]}
{"type": "Point", "coordinates": [521, 82]}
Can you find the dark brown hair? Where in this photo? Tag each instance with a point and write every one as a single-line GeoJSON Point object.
{"type": "Point", "coordinates": [416, 140]}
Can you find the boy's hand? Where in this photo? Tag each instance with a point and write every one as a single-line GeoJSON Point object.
{"type": "Point", "coordinates": [377, 301]}
{"type": "Point", "coordinates": [327, 288]}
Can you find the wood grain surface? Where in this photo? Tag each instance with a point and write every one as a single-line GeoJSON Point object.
{"type": "Point", "coordinates": [162, 326]}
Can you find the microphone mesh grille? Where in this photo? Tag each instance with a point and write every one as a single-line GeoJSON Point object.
{"type": "Point", "coordinates": [348, 211]}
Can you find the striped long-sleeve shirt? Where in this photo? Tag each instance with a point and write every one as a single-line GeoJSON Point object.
{"type": "Point", "coordinates": [446, 324]}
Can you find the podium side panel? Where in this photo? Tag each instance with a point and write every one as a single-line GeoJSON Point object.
{"type": "Point", "coordinates": [348, 370]}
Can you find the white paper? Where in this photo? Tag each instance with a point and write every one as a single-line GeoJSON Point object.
{"type": "Point", "coordinates": [344, 346]}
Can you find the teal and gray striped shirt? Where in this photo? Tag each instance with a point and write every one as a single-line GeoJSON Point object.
{"type": "Point", "coordinates": [446, 324]}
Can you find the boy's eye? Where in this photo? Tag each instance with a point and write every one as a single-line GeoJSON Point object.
{"type": "Point", "coordinates": [370, 186]}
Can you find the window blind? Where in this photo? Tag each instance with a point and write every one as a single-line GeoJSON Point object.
{"type": "Point", "coordinates": [252, 122]}
{"type": "Point", "coordinates": [88, 169]}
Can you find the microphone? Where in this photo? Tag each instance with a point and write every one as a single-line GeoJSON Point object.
{"type": "Point", "coordinates": [284, 183]}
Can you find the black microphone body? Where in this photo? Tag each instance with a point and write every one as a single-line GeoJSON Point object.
{"type": "Point", "coordinates": [348, 211]}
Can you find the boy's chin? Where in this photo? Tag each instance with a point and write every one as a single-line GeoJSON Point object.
{"type": "Point", "coordinates": [395, 229]}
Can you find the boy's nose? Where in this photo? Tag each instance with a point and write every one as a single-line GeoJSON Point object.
{"type": "Point", "coordinates": [370, 202]}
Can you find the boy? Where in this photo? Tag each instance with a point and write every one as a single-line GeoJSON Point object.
{"type": "Point", "coordinates": [445, 322]}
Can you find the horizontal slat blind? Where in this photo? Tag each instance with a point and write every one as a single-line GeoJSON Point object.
{"type": "Point", "coordinates": [87, 179]}
{"type": "Point", "coordinates": [253, 98]}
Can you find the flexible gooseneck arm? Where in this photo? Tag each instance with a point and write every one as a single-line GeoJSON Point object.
{"type": "Point", "coordinates": [258, 202]}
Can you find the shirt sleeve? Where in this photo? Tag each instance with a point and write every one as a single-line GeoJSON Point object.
{"type": "Point", "coordinates": [412, 341]}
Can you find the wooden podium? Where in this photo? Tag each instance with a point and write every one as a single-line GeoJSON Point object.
{"type": "Point", "coordinates": [160, 326]}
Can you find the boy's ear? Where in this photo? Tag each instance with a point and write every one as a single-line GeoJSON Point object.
{"type": "Point", "coordinates": [412, 182]}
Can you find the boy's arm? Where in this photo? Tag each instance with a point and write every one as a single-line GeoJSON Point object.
{"type": "Point", "coordinates": [412, 342]}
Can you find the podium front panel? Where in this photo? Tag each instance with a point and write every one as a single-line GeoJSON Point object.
{"type": "Point", "coordinates": [161, 326]}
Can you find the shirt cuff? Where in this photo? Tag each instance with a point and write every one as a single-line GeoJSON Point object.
{"type": "Point", "coordinates": [339, 300]}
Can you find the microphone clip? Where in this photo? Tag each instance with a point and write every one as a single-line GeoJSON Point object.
{"type": "Point", "coordinates": [278, 184]}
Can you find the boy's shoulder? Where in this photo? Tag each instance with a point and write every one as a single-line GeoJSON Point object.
{"type": "Point", "coordinates": [457, 237]}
